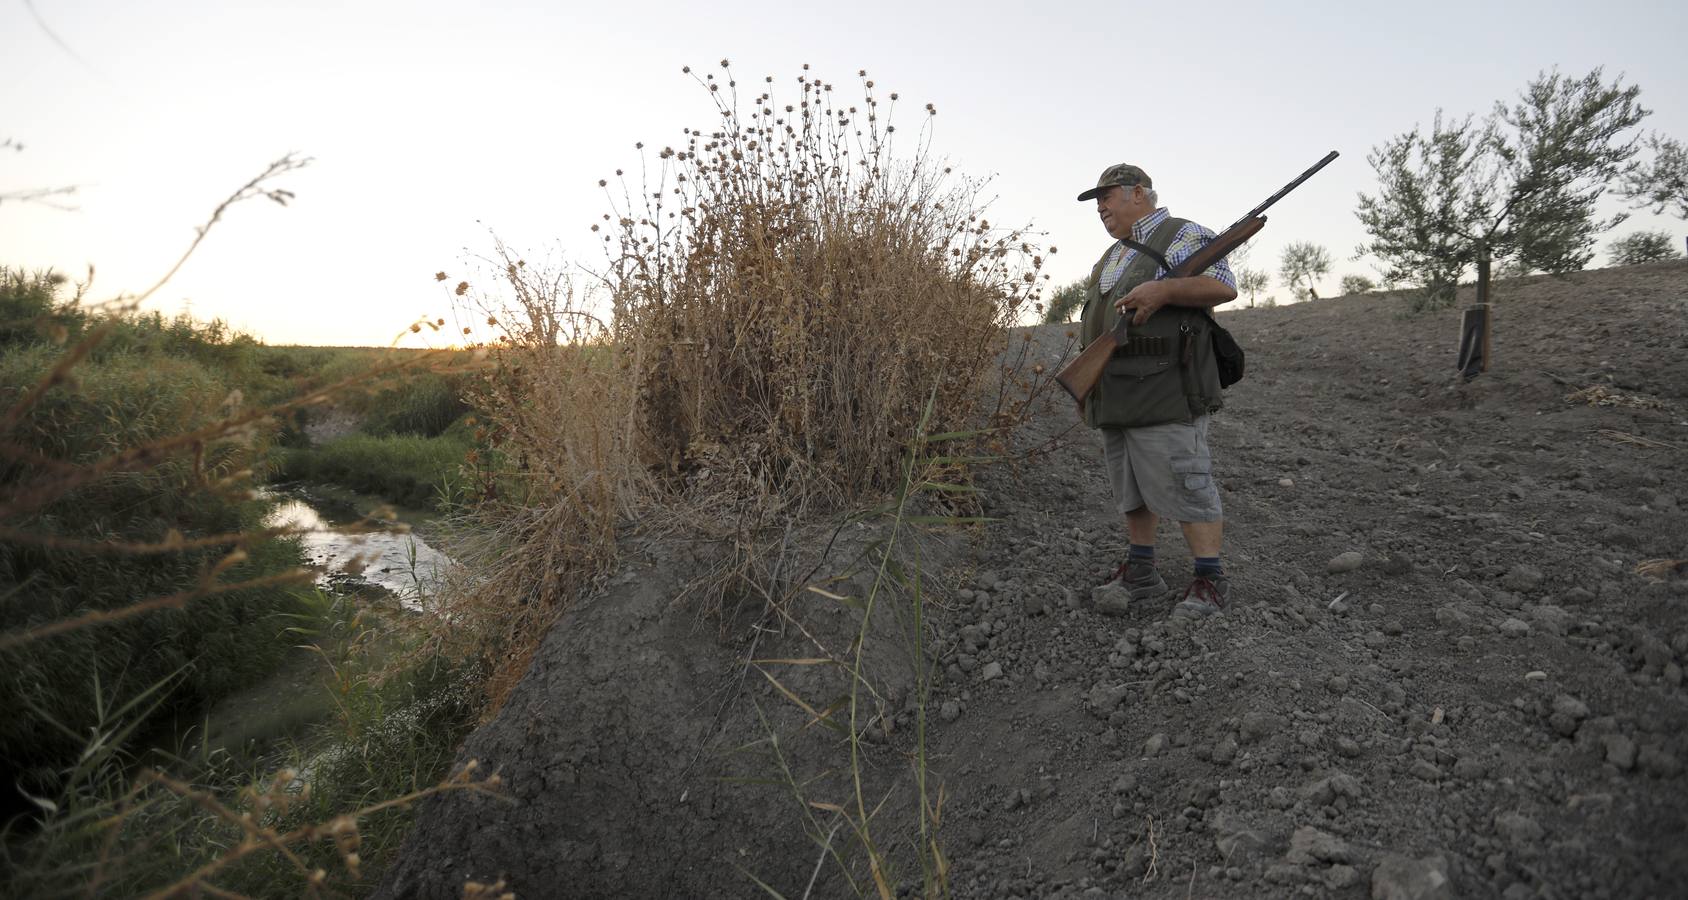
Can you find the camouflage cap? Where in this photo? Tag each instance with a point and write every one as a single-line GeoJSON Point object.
{"type": "Point", "coordinates": [1124, 175]}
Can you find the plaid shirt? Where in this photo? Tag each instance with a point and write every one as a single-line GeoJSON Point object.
{"type": "Point", "coordinates": [1189, 239]}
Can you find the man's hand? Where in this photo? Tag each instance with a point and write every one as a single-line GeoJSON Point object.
{"type": "Point", "coordinates": [1199, 291]}
{"type": "Point", "coordinates": [1144, 299]}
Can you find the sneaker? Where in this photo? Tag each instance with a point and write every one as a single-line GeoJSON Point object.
{"type": "Point", "coordinates": [1207, 595]}
{"type": "Point", "coordinates": [1141, 581]}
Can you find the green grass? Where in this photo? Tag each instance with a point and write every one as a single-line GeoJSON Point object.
{"type": "Point", "coordinates": [404, 469]}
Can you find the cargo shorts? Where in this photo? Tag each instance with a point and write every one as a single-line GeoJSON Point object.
{"type": "Point", "coordinates": [1167, 468]}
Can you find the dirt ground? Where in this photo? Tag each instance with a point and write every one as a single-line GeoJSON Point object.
{"type": "Point", "coordinates": [1443, 674]}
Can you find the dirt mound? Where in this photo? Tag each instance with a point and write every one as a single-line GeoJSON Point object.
{"type": "Point", "coordinates": [1445, 675]}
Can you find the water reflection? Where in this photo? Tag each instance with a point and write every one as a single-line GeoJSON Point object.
{"type": "Point", "coordinates": [401, 563]}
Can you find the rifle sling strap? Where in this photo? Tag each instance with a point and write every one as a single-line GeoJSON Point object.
{"type": "Point", "coordinates": [1148, 251]}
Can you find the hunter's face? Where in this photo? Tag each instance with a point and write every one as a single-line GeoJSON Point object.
{"type": "Point", "coordinates": [1119, 208]}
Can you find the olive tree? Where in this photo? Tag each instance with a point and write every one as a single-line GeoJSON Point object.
{"type": "Point", "coordinates": [1252, 282]}
{"type": "Point", "coordinates": [1065, 302]}
{"type": "Point", "coordinates": [1661, 183]}
{"type": "Point", "coordinates": [1519, 185]}
{"type": "Point", "coordinates": [1302, 263]}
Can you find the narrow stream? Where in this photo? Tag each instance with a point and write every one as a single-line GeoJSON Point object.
{"type": "Point", "coordinates": [402, 563]}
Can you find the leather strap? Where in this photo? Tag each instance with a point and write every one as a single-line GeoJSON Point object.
{"type": "Point", "coordinates": [1148, 251]}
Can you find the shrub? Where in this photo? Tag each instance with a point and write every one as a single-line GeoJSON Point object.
{"type": "Point", "coordinates": [784, 302]}
{"type": "Point", "coordinates": [63, 558]}
{"type": "Point", "coordinates": [1644, 247]}
{"type": "Point", "coordinates": [811, 294]}
{"type": "Point", "coordinates": [1357, 284]}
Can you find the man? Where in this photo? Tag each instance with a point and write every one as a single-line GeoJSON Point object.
{"type": "Point", "coordinates": [1156, 394]}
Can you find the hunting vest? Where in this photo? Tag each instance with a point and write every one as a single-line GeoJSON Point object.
{"type": "Point", "coordinates": [1164, 371]}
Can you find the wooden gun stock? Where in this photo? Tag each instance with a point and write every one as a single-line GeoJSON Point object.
{"type": "Point", "coordinates": [1079, 377]}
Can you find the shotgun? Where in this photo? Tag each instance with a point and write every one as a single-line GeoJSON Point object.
{"type": "Point", "coordinates": [1081, 375]}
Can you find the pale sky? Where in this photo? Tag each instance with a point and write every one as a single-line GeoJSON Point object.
{"type": "Point", "coordinates": [431, 123]}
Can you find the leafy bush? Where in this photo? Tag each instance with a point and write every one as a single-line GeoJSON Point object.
{"type": "Point", "coordinates": [69, 523]}
{"type": "Point", "coordinates": [1644, 247]}
{"type": "Point", "coordinates": [1357, 284]}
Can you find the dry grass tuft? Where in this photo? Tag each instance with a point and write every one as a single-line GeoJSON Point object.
{"type": "Point", "coordinates": [1599, 395]}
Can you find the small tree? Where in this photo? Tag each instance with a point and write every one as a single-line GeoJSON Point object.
{"type": "Point", "coordinates": [1357, 284]}
{"type": "Point", "coordinates": [1252, 282]}
{"type": "Point", "coordinates": [1663, 183]}
{"type": "Point", "coordinates": [1522, 184]}
{"type": "Point", "coordinates": [1302, 263]}
{"type": "Point", "coordinates": [1643, 247]}
{"type": "Point", "coordinates": [1065, 302]}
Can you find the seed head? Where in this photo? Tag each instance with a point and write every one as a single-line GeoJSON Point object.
{"type": "Point", "coordinates": [462, 288]}
{"type": "Point", "coordinates": [440, 276]}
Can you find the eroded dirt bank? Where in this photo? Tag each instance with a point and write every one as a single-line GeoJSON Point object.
{"type": "Point", "coordinates": [1493, 708]}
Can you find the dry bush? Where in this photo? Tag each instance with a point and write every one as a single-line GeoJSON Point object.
{"type": "Point", "coordinates": [779, 308]}
{"type": "Point", "coordinates": [798, 291]}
